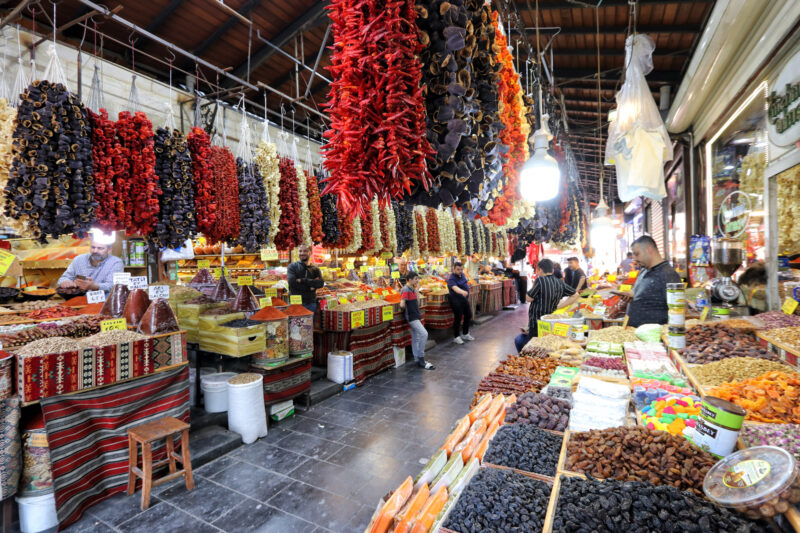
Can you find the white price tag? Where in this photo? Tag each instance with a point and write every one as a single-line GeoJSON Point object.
{"type": "Point", "coordinates": [122, 278]}
{"type": "Point", "coordinates": [158, 291]}
{"type": "Point", "coordinates": [138, 282]}
{"type": "Point", "coordinates": [95, 297]}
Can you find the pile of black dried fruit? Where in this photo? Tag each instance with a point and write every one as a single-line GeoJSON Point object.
{"type": "Point", "coordinates": [241, 323]}
{"type": "Point", "coordinates": [539, 410]}
{"type": "Point", "coordinates": [588, 506]}
{"type": "Point", "coordinates": [525, 448]}
{"type": "Point", "coordinates": [500, 501]}
{"type": "Point", "coordinates": [176, 217]}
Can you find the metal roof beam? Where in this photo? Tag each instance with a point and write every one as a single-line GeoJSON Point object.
{"type": "Point", "coordinates": [592, 52]}
{"type": "Point", "coordinates": [553, 6]}
{"type": "Point", "coordinates": [621, 30]}
{"type": "Point", "coordinates": [227, 25]}
{"type": "Point", "coordinates": [664, 76]}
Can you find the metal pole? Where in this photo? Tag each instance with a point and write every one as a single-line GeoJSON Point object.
{"type": "Point", "coordinates": [316, 61]}
{"type": "Point", "coordinates": [282, 52]}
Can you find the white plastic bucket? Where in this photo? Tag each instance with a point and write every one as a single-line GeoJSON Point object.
{"type": "Point", "coordinates": [340, 366]}
{"type": "Point", "coordinates": [37, 513]}
{"type": "Point", "coordinates": [247, 415]}
{"type": "Point", "coordinates": [215, 391]}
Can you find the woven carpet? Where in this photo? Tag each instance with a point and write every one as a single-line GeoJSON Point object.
{"type": "Point", "coordinates": [87, 433]}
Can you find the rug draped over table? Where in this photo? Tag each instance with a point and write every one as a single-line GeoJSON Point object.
{"type": "Point", "coordinates": [87, 433]}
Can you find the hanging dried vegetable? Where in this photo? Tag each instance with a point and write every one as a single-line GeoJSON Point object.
{"type": "Point", "coordinates": [330, 219]}
{"type": "Point", "coordinates": [447, 229]}
{"type": "Point", "coordinates": [344, 229]}
{"type": "Point", "coordinates": [459, 236]}
{"type": "Point", "coordinates": [110, 212]}
{"type": "Point", "coordinates": [290, 234]}
{"type": "Point", "coordinates": [421, 232]}
{"type": "Point", "coordinates": [266, 157]}
{"type": "Point", "coordinates": [469, 239]}
{"type": "Point", "coordinates": [205, 207]}
{"type": "Point", "coordinates": [391, 229]}
{"type": "Point", "coordinates": [367, 235]}
{"type": "Point", "coordinates": [254, 220]}
{"type": "Point", "coordinates": [386, 244]}
{"type": "Point", "coordinates": [376, 144]}
{"type": "Point", "coordinates": [314, 208]}
{"type": "Point", "coordinates": [8, 118]}
{"type": "Point", "coordinates": [176, 221]}
{"type": "Point", "coordinates": [137, 183]}
{"type": "Point", "coordinates": [432, 227]}
{"type": "Point", "coordinates": [305, 214]}
{"type": "Point", "coordinates": [51, 185]}
{"type": "Point", "coordinates": [376, 228]}
{"type": "Point", "coordinates": [568, 234]}
{"type": "Point", "coordinates": [404, 224]}
{"type": "Point", "coordinates": [789, 210]}
{"type": "Point", "coordinates": [355, 238]}
{"type": "Point", "coordinates": [226, 187]}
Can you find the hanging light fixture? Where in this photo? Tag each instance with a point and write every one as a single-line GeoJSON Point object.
{"type": "Point", "coordinates": [540, 176]}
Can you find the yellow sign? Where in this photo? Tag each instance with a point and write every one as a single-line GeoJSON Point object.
{"type": "Point", "coordinates": [272, 293]}
{"type": "Point", "coordinates": [203, 263]}
{"type": "Point", "coordinates": [543, 327]}
{"type": "Point", "coordinates": [357, 319]}
{"type": "Point", "coordinates": [364, 268]}
{"type": "Point", "coordinates": [379, 273]}
{"type": "Point", "coordinates": [612, 277]}
{"type": "Point", "coordinates": [625, 322]}
{"type": "Point", "coordinates": [376, 296]}
{"type": "Point", "coordinates": [244, 280]}
{"type": "Point", "coordinates": [269, 254]}
{"type": "Point", "coordinates": [562, 330]}
{"type": "Point", "coordinates": [265, 302]}
{"type": "Point", "coordinates": [350, 265]}
{"type": "Point", "coordinates": [343, 300]}
{"type": "Point", "coordinates": [388, 313]}
{"type": "Point", "coordinates": [361, 298]}
{"type": "Point", "coordinates": [395, 274]}
{"type": "Point", "coordinates": [562, 311]}
{"type": "Point", "coordinates": [386, 255]}
{"type": "Point", "coordinates": [625, 288]}
{"type": "Point", "coordinates": [382, 262]}
{"type": "Point", "coordinates": [112, 324]}
{"type": "Point", "coordinates": [789, 306]}
{"type": "Point", "coordinates": [704, 314]}
{"type": "Point", "coordinates": [217, 272]}
{"type": "Point", "coordinates": [296, 299]}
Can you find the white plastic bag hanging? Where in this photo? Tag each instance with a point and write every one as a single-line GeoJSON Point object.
{"type": "Point", "coordinates": [638, 143]}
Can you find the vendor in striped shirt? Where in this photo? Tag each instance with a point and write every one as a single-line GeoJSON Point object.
{"type": "Point", "coordinates": [544, 298]}
{"type": "Point", "coordinates": [93, 271]}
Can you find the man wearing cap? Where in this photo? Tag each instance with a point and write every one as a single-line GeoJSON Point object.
{"type": "Point", "coordinates": [95, 270]}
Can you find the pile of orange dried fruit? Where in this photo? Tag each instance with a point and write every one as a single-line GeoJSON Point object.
{"type": "Point", "coordinates": [772, 397]}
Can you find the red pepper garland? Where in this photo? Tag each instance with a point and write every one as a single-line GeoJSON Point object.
{"type": "Point", "coordinates": [205, 206]}
{"type": "Point", "coordinates": [421, 234]}
{"type": "Point", "coordinates": [314, 208]}
{"type": "Point", "coordinates": [107, 162]}
{"type": "Point", "coordinates": [459, 236]}
{"type": "Point", "coordinates": [226, 186]}
{"type": "Point", "coordinates": [386, 242]}
{"type": "Point", "coordinates": [290, 234]}
{"type": "Point", "coordinates": [367, 237]}
{"type": "Point", "coordinates": [432, 225]}
{"type": "Point", "coordinates": [138, 189]}
{"type": "Point", "coordinates": [345, 234]}
{"type": "Point", "coordinates": [377, 142]}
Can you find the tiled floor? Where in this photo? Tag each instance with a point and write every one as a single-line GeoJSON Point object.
{"type": "Point", "coordinates": [325, 469]}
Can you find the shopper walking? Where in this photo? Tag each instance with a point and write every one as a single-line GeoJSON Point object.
{"type": "Point", "coordinates": [459, 294]}
{"type": "Point", "coordinates": [544, 297]}
{"type": "Point", "coordinates": [410, 305]}
{"type": "Point", "coordinates": [649, 305]}
{"type": "Point", "coordinates": [305, 278]}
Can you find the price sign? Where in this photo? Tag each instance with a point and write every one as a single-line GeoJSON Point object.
{"type": "Point", "coordinates": [625, 322]}
{"type": "Point", "coordinates": [382, 262]}
{"type": "Point", "coordinates": [122, 278]}
{"type": "Point", "coordinates": [265, 302]}
{"type": "Point", "coordinates": [562, 330]}
{"type": "Point", "coordinates": [244, 280]}
{"type": "Point", "coordinates": [343, 300]}
{"type": "Point", "coordinates": [364, 268]}
{"type": "Point", "coordinates": [376, 296]}
{"type": "Point", "coordinates": [112, 324]}
{"type": "Point", "coordinates": [387, 313]}
{"type": "Point", "coordinates": [269, 254]}
{"type": "Point", "coordinates": [789, 306]}
{"type": "Point", "coordinates": [625, 287]}
{"type": "Point", "coordinates": [296, 299]}
{"type": "Point", "coordinates": [357, 319]}
{"type": "Point", "coordinates": [386, 255]}
{"type": "Point", "coordinates": [272, 293]}
{"type": "Point", "coordinates": [95, 297]}
{"type": "Point", "coordinates": [361, 298]}
{"type": "Point", "coordinates": [158, 291]}
{"type": "Point", "coordinates": [6, 259]}
{"type": "Point", "coordinates": [138, 282]}
{"type": "Point", "coordinates": [543, 327]}
{"type": "Point", "coordinates": [350, 265]}
{"type": "Point", "coordinates": [562, 311]}
{"type": "Point", "coordinates": [395, 274]}
{"type": "Point", "coordinates": [612, 277]}
{"type": "Point", "coordinates": [203, 263]}
{"type": "Point", "coordinates": [379, 273]}
{"type": "Point", "coordinates": [704, 314]}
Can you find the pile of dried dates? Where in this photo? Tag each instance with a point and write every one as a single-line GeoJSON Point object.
{"type": "Point", "coordinates": [525, 448]}
{"type": "Point", "coordinates": [539, 410]}
{"type": "Point", "coordinates": [705, 344]}
{"type": "Point", "coordinates": [499, 383]}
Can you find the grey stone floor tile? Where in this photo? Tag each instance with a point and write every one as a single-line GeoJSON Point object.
{"type": "Point", "coordinates": [255, 517]}
{"type": "Point", "coordinates": [166, 518]}
{"type": "Point", "coordinates": [256, 482]}
{"type": "Point", "coordinates": [208, 501]}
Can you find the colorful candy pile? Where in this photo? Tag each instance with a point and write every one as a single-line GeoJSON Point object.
{"type": "Point", "coordinates": [672, 413]}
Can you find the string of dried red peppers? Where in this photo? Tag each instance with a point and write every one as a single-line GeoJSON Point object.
{"type": "Point", "coordinates": [107, 163]}
{"type": "Point", "coordinates": [432, 225]}
{"type": "Point", "coordinates": [421, 233]}
{"type": "Point", "coordinates": [290, 234]}
{"type": "Point", "coordinates": [377, 142]}
{"type": "Point", "coordinates": [205, 206]}
{"type": "Point", "coordinates": [226, 188]}
{"type": "Point", "coordinates": [386, 243]}
{"type": "Point", "coordinates": [367, 237]}
{"type": "Point", "coordinates": [314, 208]}
{"type": "Point", "coordinates": [137, 183]}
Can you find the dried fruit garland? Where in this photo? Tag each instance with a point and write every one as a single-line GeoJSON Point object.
{"type": "Point", "coordinates": [290, 234]}
{"type": "Point", "coordinates": [376, 144]}
{"type": "Point", "coordinates": [254, 219]}
{"type": "Point", "coordinates": [8, 118]}
{"type": "Point", "coordinates": [314, 208]}
{"type": "Point", "coordinates": [176, 221]}
{"type": "Point", "coordinates": [459, 236]}
{"type": "Point", "coordinates": [432, 226]}
{"type": "Point", "coordinates": [305, 215]}
{"type": "Point", "coordinates": [51, 183]}
{"type": "Point", "coordinates": [226, 187]}
{"type": "Point", "coordinates": [422, 232]}
{"type": "Point", "coordinates": [404, 226]}
{"type": "Point", "coordinates": [367, 236]}
{"type": "Point", "coordinates": [205, 206]}
{"type": "Point", "coordinates": [266, 157]}
{"type": "Point", "coordinates": [345, 230]}
{"type": "Point", "coordinates": [330, 220]}
{"type": "Point", "coordinates": [391, 229]}
{"type": "Point", "coordinates": [137, 183]}
{"type": "Point", "coordinates": [386, 244]}
{"type": "Point", "coordinates": [107, 161]}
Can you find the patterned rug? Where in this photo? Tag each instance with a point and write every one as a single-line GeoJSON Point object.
{"type": "Point", "coordinates": [87, 433]}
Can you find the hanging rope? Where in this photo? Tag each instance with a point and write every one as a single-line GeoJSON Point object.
{"type": "Point", "coordinates": [599, 114]}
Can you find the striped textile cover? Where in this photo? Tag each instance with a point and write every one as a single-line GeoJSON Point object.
{"type": "Point", "coordinates": [474, 299]}
{"type": "Point", "coordinates": [87, 433]}
{"type": "Point", "coordinates": [372, 351]}
{"type": "Point", "coordinates": [439, 316]}
{"type": "Point", "coordinates": [509, 292]}
{"type": "Point", "coordinates": [285, 382]}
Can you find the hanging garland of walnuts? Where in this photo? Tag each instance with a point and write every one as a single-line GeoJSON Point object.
{"type": "Point", "coordinates": [290, 234]}
{"type": "Point", "coordinates": [266, 157]}
{"type": "Point", "coordinates": [205, 207]}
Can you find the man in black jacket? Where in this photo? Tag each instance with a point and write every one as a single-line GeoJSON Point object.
{"type": "Point", "coordinates": [304, 279]}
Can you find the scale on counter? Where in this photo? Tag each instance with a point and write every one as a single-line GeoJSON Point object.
{"type": "Point", "coordinates": [727, 251]}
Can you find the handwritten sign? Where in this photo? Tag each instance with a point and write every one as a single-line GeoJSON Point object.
{"type": "Point", "coordinates": [95, 297]}
{"type": "Point", "coordinates": [386, 255]}
{"type": "Point", "coordinates": [265, 302]}
{"type": "Point", "coordinates": [138, 282]}
{"type": "Point", "coordinates": [562, 330]}
{"type": "Point", "coordinates": [379, 273]}
{"type": "Point", "coordinates": [387, 313]}
{"type": "Point", "coordinates": [395, 274]}
{"type": "Point", "coordinates": [244, 280]}
{"type": "Point", "coordinates": [158, 291]}
{"type": "Point", "coordinates": [357, 319]}
{"type": "Point", "coordinates": [296, 299]}
{"type": "Point", "coordinates": [789, 306]}
{"type": "Point", "coordinates": [343, 300]}
{"type": "Point", "coordinates": [6, 259]}
{"type": "Point", "coordinates": [612, 277]}
{"type": "Point", "coordinates": [361, 298]}
{"type": "Point", "coordinates": [364, 268]}
{"type": "Point", "coordinates": [382, 262]}
{"type": "Point", "coordinates": [122, 278]}
{"type": "Point", "coordinates": [625, 288]}
{"type": "Point", "coordinates": [543, 328]}
{"type": "Point", "coordinates": [376, 296]}
{"type": "Point", "coordinates": [269, 254]}
{"type": "Point", "coordinates": [203, 263]}
{"type": "Point", "coordinates": [113, 324]}
{"type": "Point", "coordinates": [350, 265]}
{"type": "Point", "coordinates": [272, 293]}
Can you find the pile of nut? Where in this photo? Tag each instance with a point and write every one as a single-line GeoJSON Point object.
{"type": "Point", "coordinates": [615, 334]}
{"type": "Point", "coordinates": [548, 342]}
{"type": "Point", "coordinates": [639, 454]}
{"type": "Point", "coordinates": [705, 344]}
{"type": "Point", "coordinates": [787, 336]}
{"type": "Point", "coordinates": [735, 369]}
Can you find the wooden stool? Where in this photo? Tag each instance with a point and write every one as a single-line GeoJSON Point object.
{"type": "Point", "coordinates": [146, 434]}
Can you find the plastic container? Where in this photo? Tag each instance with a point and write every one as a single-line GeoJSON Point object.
{"type": "Point", "coordinates": [37, 477]}
{"type": "Point", "coordinates": [718, 426]}
{"type": "Point", "coordinates": [215, 391]}
{"type": "Point", "coordinates": [676, 337]}
{"type": "Point", "coordinates": [340, 367]}
{"type": "Point", "coordinates": [246, 413]}
{"type": "Point", "coordinates": [720, 313]}
{"type": "Point", "coordinates": [760, 482]}
{"type": "Point", "coordinates": [37, 513]}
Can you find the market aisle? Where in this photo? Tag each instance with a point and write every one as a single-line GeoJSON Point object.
{"type": "Point", "coordinates": [325, 469]}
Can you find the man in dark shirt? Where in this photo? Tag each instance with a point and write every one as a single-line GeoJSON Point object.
{"type": "Point", "coordinates": [544, 297]}
{"type": "Point", "coordinates": [459, 292]}
{"type": "Point", "coordinates": [649, 305]}
{"type": "Point", "coordinates": [304, 279]}
{"type": "Point", "coordinates": [574, 276]}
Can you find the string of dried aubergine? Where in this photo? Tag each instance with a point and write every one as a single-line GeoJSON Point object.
{"type": "Point", "coordinates": [254, 219]}
{"type": "Point", "coordinates": [403, 214]}
{"type": "Point", "coordinates": [330, 219]}
{"type": "Point", "coordinates": [51, 182]}
{"type": "Point", "coordinates": [176, 221]}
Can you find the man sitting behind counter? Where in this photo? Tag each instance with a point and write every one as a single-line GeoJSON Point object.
{"type": "Point", "coordinates": [92, 271]}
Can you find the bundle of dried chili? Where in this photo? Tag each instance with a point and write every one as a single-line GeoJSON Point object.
{"type": "Point", "coordinates": [376, 143]}
{"type": "Point", "coordinates": [176, 221]}
{"type": "Point", "coordinates": [367, 237]}
{"type": "Point", "coordinates": [432, 226]}
{"type": "Point", "coordinates": [345, 231]}
{"type": "Point", "coordinates": [314, 208]}
{"type": "Point", "coordinates": [290, 234]}
{"type": "Point", "coordinates": [403, 226]}
{"type": "Point", "coordinates": [205, 206]}
{"type": "Point", "coordinates": [137, 183]}
{"type": "Point", "coordinates": [254, 219]}
{"type": "Point", "coordinates": [422, 233]}
{"type": "Point", "coordinates": [459, 236]}
{"type": "Point", "coordinates": [386, 241]}
{"type": "Point", "coordinates": [226, 187]}
{"type": "Point", "coordinates": [107, 162]}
